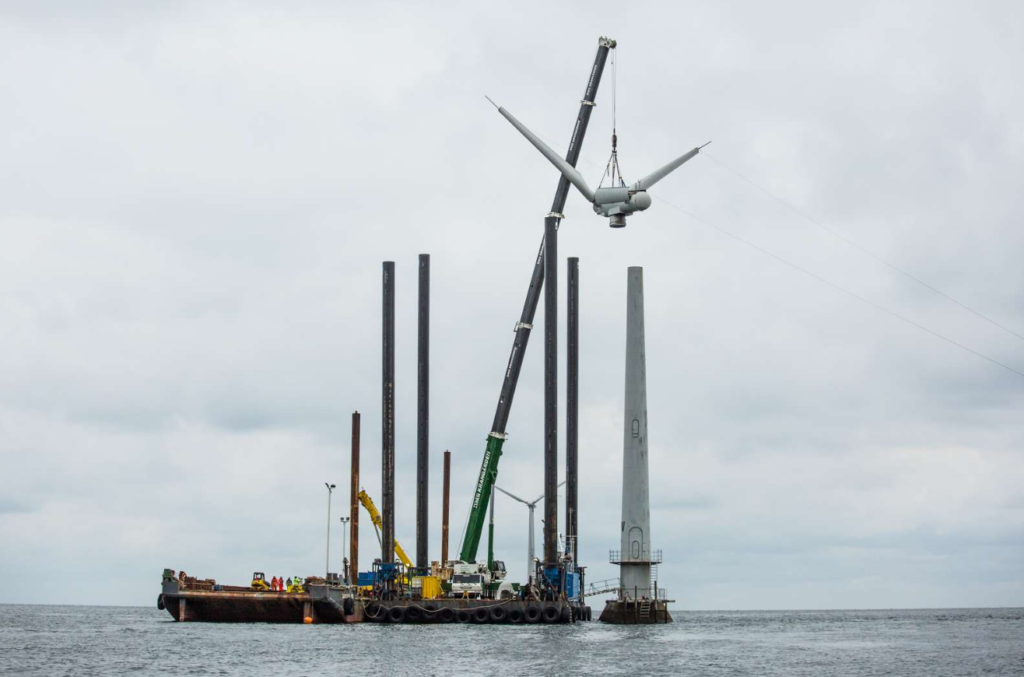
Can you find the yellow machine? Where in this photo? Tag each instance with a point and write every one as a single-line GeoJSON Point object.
{"type": "Point", "coordinates": [259, 582]}
{"type": "Point", "coordinates": [430, 586]}
{"type": "Point", "coordinates": [367, 502]}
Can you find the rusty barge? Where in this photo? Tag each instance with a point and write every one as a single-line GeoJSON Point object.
{"type": "Point", "coordinates": [192, 600]}
{"type": "Point", "coordinates": [204, 601]}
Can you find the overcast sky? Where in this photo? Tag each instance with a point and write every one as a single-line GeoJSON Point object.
{"type": "Point", "coordinates": [195, 199]}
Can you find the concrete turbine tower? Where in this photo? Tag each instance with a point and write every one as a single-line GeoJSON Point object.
{"type": "Point", "coordinates": [636, 501]}
{"type": "Point", "coordinates": [638, 600]}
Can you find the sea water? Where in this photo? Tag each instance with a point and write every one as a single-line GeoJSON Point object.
{"type": "Point", "coordinates": [78, 640]}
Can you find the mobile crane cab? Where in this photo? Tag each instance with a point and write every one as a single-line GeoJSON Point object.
{"type": "Point", "coordinates": [474, 580]}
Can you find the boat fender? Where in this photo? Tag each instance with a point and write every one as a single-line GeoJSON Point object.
{"type": "Point", "coordinates": [447, 614]}
{"type": "Point", "coordinates": [414, 614]}
{"type": "Point", "coordinates": [499, 614]}
{"type": "Point", "coordinates": [515, 616]}
{"type": "Point", "coordinates": [481, 615]}
{"type": "Point", "coordinates": [551, 614]}
{"type": "Point", "coordinates": [566, 614]}
{"type": "Point", "coordinates": [348, 606]}
{"type": "Point", "coordinates": [396, 614]}
{"type": "Point", "coordinates": [160, 602]}
{"type": "Point", "coordinates": [532, 613]}
{"type": "Point", "coordinates": [463, 616]}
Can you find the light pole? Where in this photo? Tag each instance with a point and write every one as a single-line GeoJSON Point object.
{"type": "Point", "coordinates": [330, 490]}
{"type": "Point", "coordinates": [344, 538]}
{"type": "Point", "coordinates": [531, 506]}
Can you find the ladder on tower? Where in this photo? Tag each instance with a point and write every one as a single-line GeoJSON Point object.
{"type": "Point", "coordinates": [645, 609]}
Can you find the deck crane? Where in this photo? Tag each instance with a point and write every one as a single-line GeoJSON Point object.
{"type": "Point", "coordinates": [496, 438]}
{"type": "Point", "coordinates": [367, 502]}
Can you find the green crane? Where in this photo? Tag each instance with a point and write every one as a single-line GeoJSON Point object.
{"type": "Point", "coordinates": [497, 437]}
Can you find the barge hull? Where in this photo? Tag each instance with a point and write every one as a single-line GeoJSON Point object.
{"type": "Point", "coordinates": [481, 612]}
{"type": "Point", "coordinates": [318, 606]}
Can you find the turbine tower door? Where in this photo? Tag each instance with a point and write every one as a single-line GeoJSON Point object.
{"type": "Point", "coordinates": [636, 543]}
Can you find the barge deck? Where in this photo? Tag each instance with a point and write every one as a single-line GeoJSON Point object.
{"type": "Point", "coordinates": [333, 604]}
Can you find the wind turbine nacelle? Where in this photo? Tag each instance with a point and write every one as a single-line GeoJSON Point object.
{"type": "Point", "coordinates": [613, 202]}
{"type": "Point", "coordinates": [616, 203]}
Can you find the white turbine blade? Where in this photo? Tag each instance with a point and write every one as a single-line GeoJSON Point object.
{"type": "Point", "coordinates": [510, 495]}
{"type": "Point", "coordinates": [542, 495]}
{"type": "Point", "coordinates": [567, 170]}
{"type": "Point", "coordinates": [654, 177]}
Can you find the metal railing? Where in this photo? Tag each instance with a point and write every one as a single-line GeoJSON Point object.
{"type": "Point", "coordinates": [646, 557]}
{"type": "Point", "coordinates": [650, 593]}
{"type": "Point", "coordinates": [602, 587]}
{"type": "Point", "coordinates": [612, 585]}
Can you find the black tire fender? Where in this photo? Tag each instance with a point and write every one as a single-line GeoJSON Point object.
{"type": "Point", "coordinates": [414, 614]}
{"type": "Point", "coordinates": [499, 614]}
{"type": "Point", "coordinates": [348, 606]}
{"type": "Point", "coordinates": [396, 614]}
{"type": "Point", "coordinates": [160, 602]}
{"type": "Point", "coordinates": [532, 614]}
{"type": "Point", "coordinates": [515, 616]}
{"type": "Point", "coordinates": [463, 616]}
{"type": "Point", "coordinates": [447, 614]}
{"type": "Point", "coordinates": [551, 614]}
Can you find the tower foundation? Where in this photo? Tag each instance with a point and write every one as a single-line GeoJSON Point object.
{"type": "Point", "coordinates": [635, 612]}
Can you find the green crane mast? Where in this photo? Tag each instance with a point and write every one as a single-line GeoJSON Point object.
{"type": "Point", "coordinates": [497, 436]}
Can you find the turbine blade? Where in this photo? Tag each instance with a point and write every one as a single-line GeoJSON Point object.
{"type": "Point", "coordinates": [654, 177]}
{"type": "Point", "coordinates": [542, 495]}
{"type": "Point", "coordinates": [510, 495]}
{"type": "Point", "coordinates": [567, 170]}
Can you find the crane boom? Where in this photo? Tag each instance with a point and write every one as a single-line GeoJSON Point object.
{"type": "Point", "coordinates": [497, 436]}
{"type": "Point", "coordinates": [367, 502]}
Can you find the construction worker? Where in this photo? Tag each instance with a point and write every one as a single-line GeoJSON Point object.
{"type": "Point", "coordinates": [273, 583]}
{"type": "Point", "coordinates": [289, 588]}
